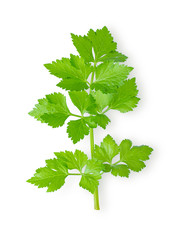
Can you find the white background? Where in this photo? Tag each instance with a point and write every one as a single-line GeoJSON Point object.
{"type": "Point", "coordinates": [148, 204]}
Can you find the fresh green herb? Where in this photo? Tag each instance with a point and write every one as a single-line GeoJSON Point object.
{"type": "Point", "coordinates": [96, 82]}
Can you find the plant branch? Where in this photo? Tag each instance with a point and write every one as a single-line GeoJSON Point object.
{"type": "Point", "coordinates": [116, 162]}
{"type": "Point", "coordinates": [76, 174]}
{"type": "Point", "coordinates": [96, 193]}
{"type": "Point", "coordinates": [75, 115]}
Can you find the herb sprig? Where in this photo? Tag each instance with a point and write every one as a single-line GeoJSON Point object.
{"type": "Point", "coordinates": [97, 81]}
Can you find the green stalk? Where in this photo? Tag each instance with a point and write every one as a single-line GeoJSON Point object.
{"type": "Point", "coordinates": [96, 200]}
{"type": "Point", "coordinates": [96, 193]}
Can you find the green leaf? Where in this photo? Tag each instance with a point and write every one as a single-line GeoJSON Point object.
{"type": "Point", "coordinates": [113, 56]}
{"type": "Point", "coordinates": [92, 107]}
{"type": "Point", "coordinates": [125, 98]}
{"type": "Point", "coordinates": [134, 156]}
{"type": "Point", "coordinates": [63, 69]}
{"type": "Point", "coordinates": [93, 166]}
{"type": "Point", "coordinates": [77, 129]}
{"type": "Point", "coordinates": [107, 150]}
{"type": "Point", "coordinates": [61, 112]}
{"type": "Point", "coordinates": [72, 84]}
{"type": "Point", "coordinates": [57, 164]}
{"type": "Point", "coordinates": [140, 152]}
{"type": "Point", "coordinates": [90, 182]}
{"type": "Point", "coordinates": [83, 46]}
{"type": "Point", "coordinates": [79, 63]}
{"type": "Point", "coordinates": [106, 167]}
{"type": "Point", "coordinates": [73, 161]}
{"type": "Point", "coordinates": [52, 176]}
{"type": "Point", "coordinates": [102, 120]}
{"type": "Point", "coordinates": [102, 42]}
{"type": "Point", "coordinates": [135, 164]}
{"type": "Point", "coordinates": [40, 109]}
{"type": "Point", "coordinates": [54, 120]}
{"type": "Point", "coordinates": [81, 158]}
{"type": "Point", "coordinates": [74, 72]}
{"type": "Point", "coordinates": [79, 99]}
{"type": "Point", "coordinates": [90, 121]}
{"type": "Point", "coordinates": [91, 175]}
{"type": "Point", "coordinates": [110, 76]}
{"type": "Point", "coordinates": [120, 170]}
{"type": "Point", "coordinates": [83, 101]}
{"type": "Point", "coordinates": [125, 147]}
{"type": "Point", "coordinates": [52, 110]}
{"type": "Point", "coordinates": [102, 100]}
{"type": "Point", "coordinates": [99, 119]}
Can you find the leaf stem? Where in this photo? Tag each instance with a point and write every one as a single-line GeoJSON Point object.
{"type": "Point", "coordinates": [92, 77]}
{"type": "Point", "coordinates": [92, 142]}
{"type": "Point", "coordinates": [96, 200]}
{"type": "Point", "coordinates": [74, 174]}
{"type": "Point", "coordinates": [75, 115]}
{"type": "Point", "coordinates": [107, 109]}
{"type": "Point", "coordinates": [116, 162]}
{"type": "Point", "coordinates": [96, 193]}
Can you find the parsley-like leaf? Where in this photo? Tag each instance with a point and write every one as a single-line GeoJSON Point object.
{"type": "Point", "coordinates": [72, 84]}
{"type": "Point", "coordinates": [99, 119]}
{"type": "Point", "coordinates": [72, 160]}
{"type": "Point", "coordinates": [93, 166]}
{"type": "Point", "coordinates": [83, 46]}
{"type": "Point", "coordinates": [42, 107]}
{"type": "Point", "coordinates": [107, 150]}
{"type": "Point", "coordinates": [102, 100]}
{"type": "Point", "coordinates": [125, 98]}
{"type": "Point", "coordinates": [90, 182]}
{"type": "Point", "coordinates": [134, 156]}
{"type": "Point", "coordinates": [102, 120]}
{"type": "Point", "coordinates": [91, 105]}
{"type": "Point", "coordinates": [74, 72]}
{"type": "Point", "coordinates": [52, 110]}
{"type": "Point", "coordinates": [77, 129]}
{"type": "Point", "coordinates": [101, 41]}
{"type": "Point", "coordinates": [55, 120]}
{"type": "Point", "coordinates": [52, 176]}
{"type": "Point", "coordinates": [110, 76]}
{"type": "Point", "coordinates": [120, 170]}
{"type": "Point", "coordinates": [113, 56]}
{"type": "Point", "coordinates": [83, 101]}
{"type": "Point", "coordinates": [91, 175]}
{"type": "Point", "coordinates": [125, 147]}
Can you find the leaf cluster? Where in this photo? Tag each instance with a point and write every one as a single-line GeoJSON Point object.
{"type": "Point", "coordinates": [98, 69]}
{"type": "Point", "coordinates": [129, 159]}
{"type": "Point", "coordinates": [97, 80]}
